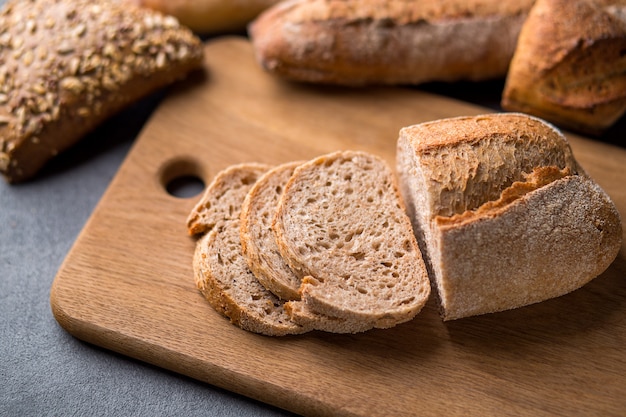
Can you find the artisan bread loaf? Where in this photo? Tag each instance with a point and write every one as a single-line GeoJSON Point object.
{"type": "Point", "coordinates": [357, 42]}
{"type": "Point", "coordinates": [504, 212]}
{"type": "Point", "coordinates": [341, 226]}
{"type": "Point", "coordinates": [569, 66]}
{"type": "Point", "coordinates": [221, 272]}
{"type": "Point", "coordinates": [210, 16]}
{"type": "Point", "coordinates": [67, 65]}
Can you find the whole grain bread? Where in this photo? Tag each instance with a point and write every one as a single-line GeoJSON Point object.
{"type": "Point", "coordinates": [357, 42]}
{"type": "Point", "coordinates": [504, 212]}
{"type": "Point", "coordinates": [341, 226]}
{"type": "Point", "coordinates": [223, 277]}
{"type": "Point", "coordinates": [67, 65]}
{"type": "Point", "coordinates": [223, 197]}
{"type": "Point", "coordinates": [221, 272]}
{"type": "Point", "coordinates": [257, 239]}
{"type": "Point", "coordinates": [569, 66]}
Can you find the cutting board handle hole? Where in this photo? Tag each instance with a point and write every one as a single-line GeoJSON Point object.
{"type": "Point", "coordinates": [182, 178]}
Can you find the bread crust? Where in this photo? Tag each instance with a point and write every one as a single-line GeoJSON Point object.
{"type": "Point", "coordinates": [70, 65]}
{"type": "Point", "coordinates": [541, 229]}
{"type": "Point", "coordinates": [357, 42]}
{"type": "Point", "coordinates": [569, 66]}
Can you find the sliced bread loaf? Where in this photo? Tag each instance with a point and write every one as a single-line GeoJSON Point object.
{"type": "Point", "coordinates": [341, 225]}
{"type": "Point", "coordinates": [223, 277]}
{"type": "Point", "coordinates": [257, 239]}
{"type": "Point", "coordinates": [504, 212]}
{"type": "Point", "coordinates": [221, 273]}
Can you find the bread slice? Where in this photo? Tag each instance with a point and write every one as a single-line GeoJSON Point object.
{"type": "Point", "coordinates": [264, 260]}
{"type": "Point", "coordinates": [569, 66]}
{"type": "Point", "coordinates": [68, 65]}
{"type": "Point", "coordinates": [361, 42]}
{"type": "Point", "coordinates": [223, 197]}
{"type": "Point", "coordinates": [223, 277]}
{"type": "Point", "coordinates": [221, 272]}
{"type": "Point", "coordinates": [506, 215]}
{"type": "Point", "coordinates": [257, 239]}
{"type": "Point", "coordinates": [341, 225]}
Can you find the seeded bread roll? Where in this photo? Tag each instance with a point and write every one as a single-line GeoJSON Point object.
{"type": "Point", "coordinates": [569, 66]}
{"type": "Point", "coordinates": [356, 42]}
{"type": "Point", "coordinates": [340, 224]}
{"type": "Point", "coordinates": [506, 215]}
{"type": "Point", "coordinates": [210, 16]}
{"type": "Point", "coordinates": [221, 272]}
{"type": "Point", "coordinates": [67, 65]}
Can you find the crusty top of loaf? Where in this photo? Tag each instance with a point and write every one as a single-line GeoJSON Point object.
{"type": "Point", "coordinates": [399, 11]}
{"type": "Point", "coordinates": [341, 222]}
{"type": "Point", "coordinates": [471, 160]}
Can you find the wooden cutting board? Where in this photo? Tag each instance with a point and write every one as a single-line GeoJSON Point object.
{"type": "Point", "coordinates": [127, 284]}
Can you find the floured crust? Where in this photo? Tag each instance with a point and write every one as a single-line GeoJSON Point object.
{"type": "Point", "coordinates": [569, 65]}
{"type": "Point", "coordinates": [69, 65]}
{"type": "Point", "coordinates": [388, 42]}
{"type": "Point", "coordinates": [538, 229]}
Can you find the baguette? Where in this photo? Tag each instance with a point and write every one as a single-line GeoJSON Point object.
{"type": "Point", "coordinates": [354, 42]}
{"type": "Point", "coordinates": [503, 210]}
{"type": "Point", "coordinates": [569, 66]}
{"type": "Point", "coordinates": [341, 226]}
{"type": "Point", "coordinates": [68, 65]}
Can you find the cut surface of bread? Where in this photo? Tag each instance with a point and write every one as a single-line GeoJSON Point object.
{"type": "Point", "coordinates": [341, 225]}
{"type": "Point", "coordinates": [257, 239]}
{"type": "Point", "coordinates": [223, 197]}
{"type": "Point", "coordinates": [68, 65]}
{"type": "Point", "coordinates": [223, 277]}
{"type": "Point", "coordinates": [505, 214]}
{"type": "Point", "coordinates": [221, 272]}
{"type": "Point", "coordinates": [569, 65]}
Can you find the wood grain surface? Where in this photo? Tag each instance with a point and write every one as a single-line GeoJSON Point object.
{"type": "Point", "coordinates": [127, 283]}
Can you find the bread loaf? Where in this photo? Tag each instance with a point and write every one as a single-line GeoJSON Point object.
{"type": "Point", "coordinates": [67, 65]}
{"type": "Point", "coordinates": [504, 212]}
{"type": "Point", "coordinates": [341, 226]}
{"type": "Point", "coordinates": [356, 42]}
{"type": "Point", "coordinates": [210, 16]}
{"type": "Point", "coordinates": [221, 272]}
{"type": "Point", "coordinates": [569, 66]}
